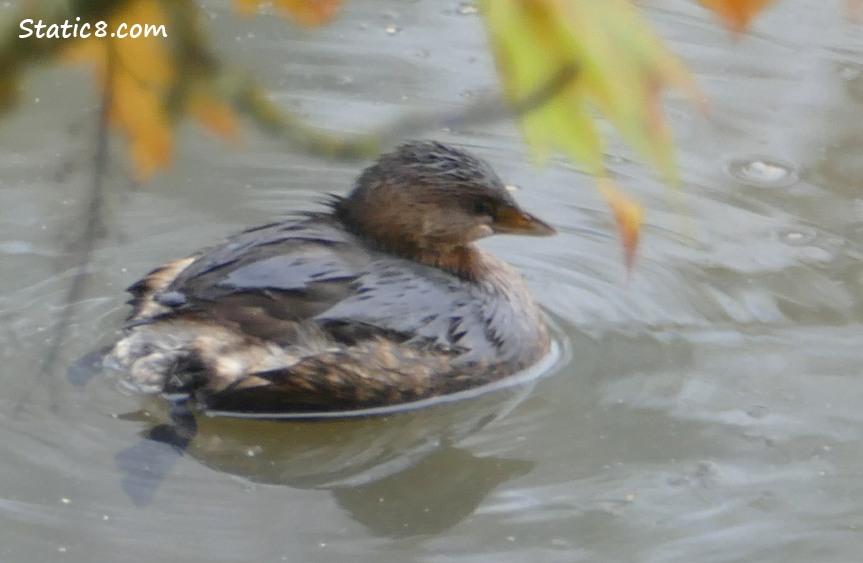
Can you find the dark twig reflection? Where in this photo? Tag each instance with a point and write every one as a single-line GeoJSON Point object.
{"type": "Point", "coordinates": [85, 245]}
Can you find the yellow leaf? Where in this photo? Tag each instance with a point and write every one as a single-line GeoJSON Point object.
{"type": "Point", "coordinates": [622, 66]}
{"type": "Point", "coordinates": [627, 216]}
{"type": "Point", "coordinates": [138, 72]}
{"type": "Point", "coordinates": [139, 112]}
{"type": "Point", "coordinates": [153, 82]}
{"type": "Point", "coordinates": [523, 36]}
{"type": "Point", "coordinates": [736, 14]}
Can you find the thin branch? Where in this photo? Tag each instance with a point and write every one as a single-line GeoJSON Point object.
{"type": "Point", "coordinates": [251, 100]}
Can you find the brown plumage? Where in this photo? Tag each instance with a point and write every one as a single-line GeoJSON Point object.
{"type": "Point", "coordinates": [382, 300]}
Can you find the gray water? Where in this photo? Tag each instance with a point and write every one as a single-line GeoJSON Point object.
{"type": "Point", "coordinates": [705, 409]}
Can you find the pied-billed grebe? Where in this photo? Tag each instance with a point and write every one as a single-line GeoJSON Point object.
{"type": "Point", "coordinates": [383, 299]}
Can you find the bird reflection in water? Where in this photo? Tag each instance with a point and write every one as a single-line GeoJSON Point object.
{"type": "Point", "coordinates": [385, 471]}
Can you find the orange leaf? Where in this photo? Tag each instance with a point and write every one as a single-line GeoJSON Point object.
{"type": "Point", "coordinates": [246, 7]}
{"type": "Point", "coordinates": [736, 14]}
{"type": "Point", "coordinates": [627, 216]}
{"type": "Point", "coordinates": [216, 115]}
{"type": "Point", "coordinates": [310, 12]}
{"type": "Point", "coordinates": [306, 12]}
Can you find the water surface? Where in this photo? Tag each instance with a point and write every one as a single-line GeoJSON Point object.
{"type": "Point", "coordinates": [707, 409]}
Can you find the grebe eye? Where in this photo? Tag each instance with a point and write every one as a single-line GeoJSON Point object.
{"type": "Point", "coordinates": [485, 208]}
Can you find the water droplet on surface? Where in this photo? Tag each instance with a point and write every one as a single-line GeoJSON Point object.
{"type": "Point", "coordinates": [466, 8]}
{"type": "Point", "coordinates": [797, 236]}
{"type": "Point", "coordinates": [849, 73]}
{"type": "Point", "coordinates": [763, 172]}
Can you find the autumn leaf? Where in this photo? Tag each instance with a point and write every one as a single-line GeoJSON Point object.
{"type": "Point", "coordinates": [215, 114]}
{"type": "Point", "coordinates": [152, 83]}
{"type": "Point", "coordinates": [138, 74]}
{"type": "Point", "coordinates": [306, 12]}
{"type": "Point", "coordinates": [528, 52]}
{"type": "Point", "coordinates": [622, 70]}
{"type": "Point", "coordinates": [628, 215]}
{"type": "Point", "coordinates": [736, 14]}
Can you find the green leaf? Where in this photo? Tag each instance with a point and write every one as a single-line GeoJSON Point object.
{"type": "Point", "coordinates": [622, 69]}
